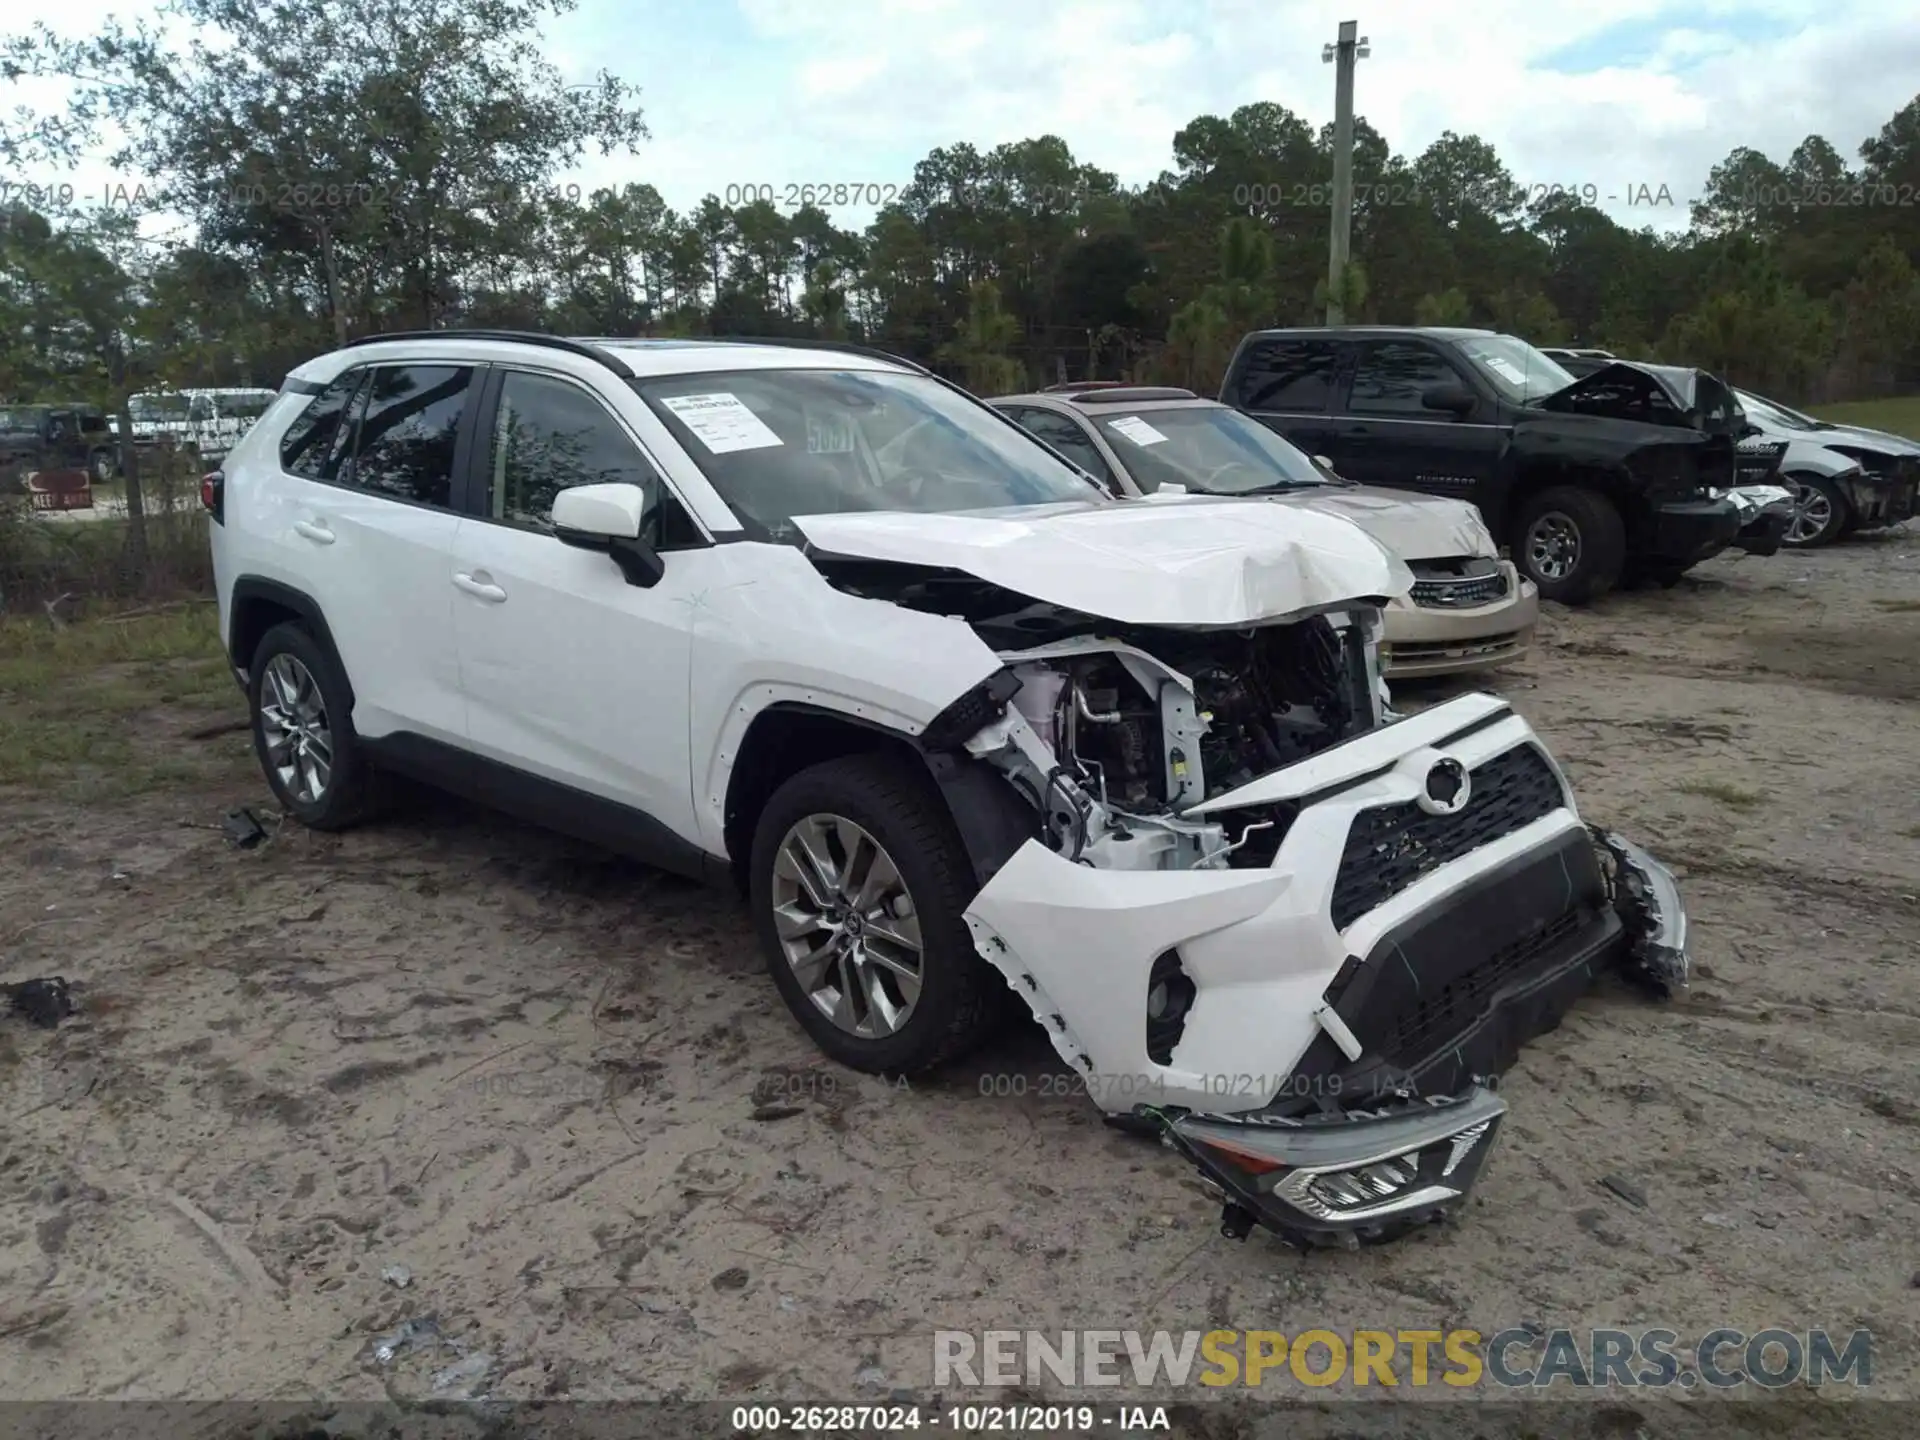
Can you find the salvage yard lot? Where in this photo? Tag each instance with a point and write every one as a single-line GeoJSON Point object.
{"type": "Point", "coordinates": [560, 1090]}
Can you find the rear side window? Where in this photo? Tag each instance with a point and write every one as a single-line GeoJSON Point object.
{"type": "Point", "coordinates": [1286, 375]}
{"type": "Point", "coordinates": [408, 421]}
{"type": "Point", "coordinates": [1393, 375]}
{"type": "Point", "coordinates": [308, 447]}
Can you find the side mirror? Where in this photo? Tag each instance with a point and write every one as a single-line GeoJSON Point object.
{"type": "Point", "coordinates": [607, 518]}
{"type": "Point", "coordinates": [1455, 399]}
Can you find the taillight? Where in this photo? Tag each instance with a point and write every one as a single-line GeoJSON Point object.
{"type": "Point", "coordinates": [213, 486]}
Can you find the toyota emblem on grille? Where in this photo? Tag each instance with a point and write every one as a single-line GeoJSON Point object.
{"type": "Point", "coordinates": [1447, 789]}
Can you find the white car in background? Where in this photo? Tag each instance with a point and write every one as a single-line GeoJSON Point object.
{"type": "Point", "coordinates": [1843, 477]}
{"type": "Point", "coordinates": [1468, 609]}
{"type": "Point", "coordinates": [207, 423]}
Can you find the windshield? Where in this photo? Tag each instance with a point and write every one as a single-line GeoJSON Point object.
{"type": "Point", "coordinates": [1207, 448]}
{"type": "Point", "coordinates": [159, 407]}
{"type": "Point", "coordinates": [1775, 414]}
{"type": "Point", "coordinates": [28, 420]}
{"type": "Point", "coordinates": [1514, 368]}
{"type": "Point", "coordinates": [781, 443]}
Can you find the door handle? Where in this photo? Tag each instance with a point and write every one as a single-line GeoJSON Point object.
{"type": "Point", "coordinates": [314, 530]}
{"type": "Point", "coordinates": [479, 584]}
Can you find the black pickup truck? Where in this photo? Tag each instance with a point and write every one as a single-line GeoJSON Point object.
{"type": "Point", "coordinates": [1621, 473]}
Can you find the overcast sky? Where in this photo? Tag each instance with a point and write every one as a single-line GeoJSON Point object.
{"type": "Point", "coordinates": [1628, 97]}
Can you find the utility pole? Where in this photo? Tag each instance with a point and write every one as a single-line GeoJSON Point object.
{"type": "Point", "coordinates": [1351, 48]}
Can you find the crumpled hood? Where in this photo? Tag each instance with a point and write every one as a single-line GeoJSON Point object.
{"type": "Point", "coordinates": [1199, 561]}
{"type": "Point", "coordinates": [1414, 527]}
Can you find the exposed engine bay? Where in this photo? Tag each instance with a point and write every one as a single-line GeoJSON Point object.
{"type": "Point", "coordinates": [1113, 730]}
{"type": "Point", "coordinates": [1141, 731]}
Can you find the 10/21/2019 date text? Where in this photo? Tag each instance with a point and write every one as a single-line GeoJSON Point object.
{"type": "Point", "coordinates": [1144, 1420]}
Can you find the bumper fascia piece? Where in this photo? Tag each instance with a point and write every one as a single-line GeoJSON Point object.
{"type": "Point", "coordinates": [1269, 967]}
{"type": "Point", "coordinates": [1880, 498]}
{"type": "Point", "coordinates": [1685, 532]}
{"type": "Point", "coordinates": [1766, 513]}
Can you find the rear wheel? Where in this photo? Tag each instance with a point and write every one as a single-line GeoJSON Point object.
{"type": "Point", "coordinates": [100, 466]}
{"type": "Point", "coordinates": [303, 731]}
{"type": "Point", "coordinates": [858, 883]}
{"type": "Point", "coordinates": [1821, 514]}
{"type": "Point", "coordinates": [1571, 542]}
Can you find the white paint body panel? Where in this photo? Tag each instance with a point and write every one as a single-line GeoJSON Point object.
{"type": "Point", "coordinates": [1200, 561]}
{"type": "Point", "coordinates": [1259, 945]}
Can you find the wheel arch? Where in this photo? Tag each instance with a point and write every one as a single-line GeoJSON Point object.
{"type": "Point", "coordinates": [789, 736]}
{"type": "Point", "coordinates": [257, 605]}
{"type": "Point", "coordinates": [1544, 473]}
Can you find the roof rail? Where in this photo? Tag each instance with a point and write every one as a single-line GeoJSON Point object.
{"type": "Point", "coordinates": [1086, 385]}
{"type": "Point", "coordinates": [1110, 394]}
{"type": "Point", "coordinates": [799, 343]}
{"type": "Point", "coordinates": [518, 337]}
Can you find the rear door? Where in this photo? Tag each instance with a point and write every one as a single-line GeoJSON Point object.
{"type": "Point", "coordinates": [1387, 436]}
{"type": "Point", "coordinates": [364, 519]}
{"type": "Point", "coordinates": [1286, 382]}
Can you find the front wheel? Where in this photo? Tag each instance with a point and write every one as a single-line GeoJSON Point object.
{"type": "Point", "coordinates": [1821, 513]}
{"type": "Point", "coordinates": [100, 466]}
{"type": "Point", "coordinates": [858, 884]}
{"type": "Point", "coordinates": [1571, 543]}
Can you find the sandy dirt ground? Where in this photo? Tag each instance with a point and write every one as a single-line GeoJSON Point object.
{"type": "Point", "coordinates": [561, 1092]}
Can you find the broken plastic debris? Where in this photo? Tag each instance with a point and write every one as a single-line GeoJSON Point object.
{"type": "Point", "coordinates": [243, 827]}
{"type": "Point", "coordinates": [468, 1376]}
{"type": "Point", "coordinates": [415, 1334]}
{"type": "Point", "coordinates": [44, 1001]}
{"type": "Point", "coordinates": [872, 1375]}
{"type": "Point", "coordinates": [397, 1275]}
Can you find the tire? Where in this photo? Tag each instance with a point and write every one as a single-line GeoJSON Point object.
{"type": "Point", "coordinates": [100, 466]}
{"type": "Point", "coordinates": [1571, 542]}
{"type": "Point", "coordinates": [1821, 513]}
{"type": "Point", "coordinates": [839, 804]}
{"type": "Point", "coordinates": [290, 665]}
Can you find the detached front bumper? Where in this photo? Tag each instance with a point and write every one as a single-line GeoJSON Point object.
{"type": "Point", "coordinates": [1685, 532]}
{"type": "Point", "coordinates": [1766, 513]}
{"type": "Point", "coordinates": [1431, 633]}
{"type": "Point", "coordinates": [1320, 1034]}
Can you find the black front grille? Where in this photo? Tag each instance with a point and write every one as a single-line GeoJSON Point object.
{"type": "Point", "coordinates": [1436, 1014]}
{"type": "Point", "coordinates": [1391, 846]}
{"type": "Point", "coordinates": [1460, 594]}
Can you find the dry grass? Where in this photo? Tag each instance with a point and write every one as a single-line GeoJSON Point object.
{"type": "Point", "coordinates": [103, 705]}
{"type": "Point", "coordinates": [1727, 793]}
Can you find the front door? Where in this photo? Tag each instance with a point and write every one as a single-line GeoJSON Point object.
{"type": "Point", "coordinates": [572, 674]}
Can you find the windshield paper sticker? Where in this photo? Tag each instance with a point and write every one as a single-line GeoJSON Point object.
{"type": "Point", "coordinates": [1507, 368]}
{"type": "Point", "coordinates": [1136, 430]}
{"type": "Point", "coordinates": [721, 422]}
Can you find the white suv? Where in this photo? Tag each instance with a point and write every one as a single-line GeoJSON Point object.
{"type": "Point", "coordinates": [956, 721]}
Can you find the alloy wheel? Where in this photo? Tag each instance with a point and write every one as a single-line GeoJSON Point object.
{"type": "Point", "coordinates": [1553, 546]}
{"type": "Point", "coordinates": [293, 725]}
{"type": "Point", "coordinates": [1812, 513]}
{"type": "Point", "coordinates": [847, 925]}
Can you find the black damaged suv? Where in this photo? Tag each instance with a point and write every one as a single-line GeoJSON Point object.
{"type": "Point", "coordinates": [1622, 473]}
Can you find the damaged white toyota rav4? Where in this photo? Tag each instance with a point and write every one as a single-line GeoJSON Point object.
{"type": "Point", "coordinates": [957, 721]}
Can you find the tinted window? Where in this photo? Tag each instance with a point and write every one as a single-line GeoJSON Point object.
{"type": "Point", "coordinates": [1286, 375]}
{"type": "Point", "coordinates": [548, 436]}
{"type": "Point", "coordinates": [93, 424]}
{"type": "Point", "coordinates": [408, 419]}
{"type": "Point", "coordinates": [308, 446]}
{"type": "Point", "coordinates": [1068, 438]}
{"type": "Point", "coordinates": [1392, 375]}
